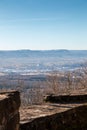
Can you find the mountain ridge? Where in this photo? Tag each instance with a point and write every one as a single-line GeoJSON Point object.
{"type": "Point", "coordinates": [38, 53]}
{"type": "Point", "coordinates": [31, 60]}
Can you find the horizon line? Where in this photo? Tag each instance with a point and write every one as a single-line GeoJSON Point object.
{"type": "Point", "coordinates": [43, 49]}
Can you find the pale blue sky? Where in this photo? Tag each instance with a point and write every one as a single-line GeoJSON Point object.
{"type": "Point", "coordinates": [43, 24]}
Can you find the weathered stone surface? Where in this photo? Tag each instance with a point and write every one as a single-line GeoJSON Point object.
{"type": "Point", "coordinates": [9, 110]}
{"type": "Point", "coordinates": [72, 119]}
{"type": "Point", "coordinates": [70, 114]}
{"type": "Point", "coordinates": [66, 99]}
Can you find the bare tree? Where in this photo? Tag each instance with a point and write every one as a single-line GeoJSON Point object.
{"type": "Point", "coordinates": [83, 79]}
{"type": "Point", "coordinates": [68, 82]}
{"type": "Point", "coordinates": [53, 82]}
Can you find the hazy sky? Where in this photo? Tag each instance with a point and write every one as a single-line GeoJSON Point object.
{"type": "Point", "coordinates": [43, 24]}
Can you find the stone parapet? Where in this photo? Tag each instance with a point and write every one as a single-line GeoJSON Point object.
{"type": "Point", "coordinates": [72, 119]}
{"type": "Point", "coordinates": [9, 110]}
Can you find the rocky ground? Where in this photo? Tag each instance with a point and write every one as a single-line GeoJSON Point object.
{"type": "Point", "coordinates": [27, 114]}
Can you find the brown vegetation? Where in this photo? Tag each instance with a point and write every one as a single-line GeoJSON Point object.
{"type": "Point", "coordinates": [57, 83]}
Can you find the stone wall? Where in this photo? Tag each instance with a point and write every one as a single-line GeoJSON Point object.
{"type": "Point", "coordinates": [66, 99]}
{"type": "Point", "coordinates": [73, 119]}
{"type": "Point", "coordinates": [9, 110]}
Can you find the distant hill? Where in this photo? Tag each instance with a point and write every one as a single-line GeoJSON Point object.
{"type": "Point", "coordinates": [43, 53]}
{"type": "Point", "coordinates": [41, 60]}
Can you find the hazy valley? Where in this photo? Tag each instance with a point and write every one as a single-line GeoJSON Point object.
{"type": "Point", "coordinates": [28, 61]}
{"type": "Point", "coordinates": [29, 71]}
